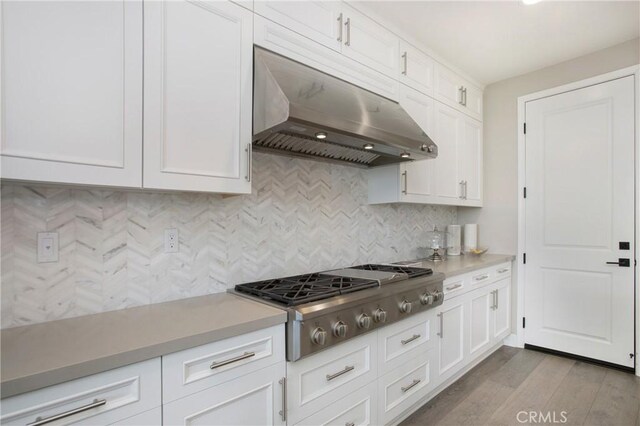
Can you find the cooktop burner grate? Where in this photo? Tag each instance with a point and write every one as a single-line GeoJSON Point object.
{"type": "Point", "coordinates": [411, 272]}
{"type": "Point", "coordinates": [305, 288]}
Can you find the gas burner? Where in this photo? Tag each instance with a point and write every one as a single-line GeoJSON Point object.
{"type": "Point", "coordinates": [409, 271]}
{"type": "Point", "coordinates": [296, 290]}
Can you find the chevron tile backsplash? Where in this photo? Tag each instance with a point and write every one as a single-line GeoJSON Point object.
{"type": "Point", "coordinates": [302, 216]}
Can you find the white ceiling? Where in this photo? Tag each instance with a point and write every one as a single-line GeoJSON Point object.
{"type": "Point", "coordinates": [495, 40]}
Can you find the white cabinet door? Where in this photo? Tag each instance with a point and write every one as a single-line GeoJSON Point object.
{"type": "Point", "coordinates": [369, 43]}
{"type": "Point", "coordinates": [358, 408]}
{"type": "Point", "coordinates": [447, 135]}
{"type": "Point", "coordinates": [198, 90]}
{"type": "Point", "coordinates": [480, 305]}
{"type": "Point", "coordinates": [473, 101]}
{"type": "Point", "coordinates": [416, 68]}
{"type": "Point", "coordinates": [451, 351]}
{"type": "Point", "coordinates": [321, 21]}
{"type": "Point", "coordinates": [72, 92]}
{"type": "Point", "coordinates": [418, 176]}
{"type": "Point", "coordinates": [470, 160]}
{"type": "Point", "coordinates": [502, 309]}
{"type": "Point", "coordinates": [254, 399]}
{"type": "Point", "coordinates": [453, 90]}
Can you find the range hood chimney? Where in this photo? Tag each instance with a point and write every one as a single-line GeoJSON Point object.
{"type": "Point", "coordinates": [300, 111]}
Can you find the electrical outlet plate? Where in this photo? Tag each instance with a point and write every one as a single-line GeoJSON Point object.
{"type": "Point", "coordinates": [47, 247]}
{"type": "Point", "coordinates": [171, 241]}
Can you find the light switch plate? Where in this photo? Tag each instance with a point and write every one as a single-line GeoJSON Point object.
{"type": "Point", "coordinates": [47, 247]}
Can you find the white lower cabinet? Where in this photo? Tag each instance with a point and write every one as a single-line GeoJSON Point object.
{"type": "Point", "coordinates": [253, 399]}
{"type": "Point", "coordinates": [115, 396]}
{"type": "Point", "coordinates": [501, 321]}
{"type": "Point", "coordinates": [480, 315]}
{"type": "Point", "coordinates": [148, 418]}
{"type": "Point", "coordinates": [403, 387]}
{"type": "Point", "coordinates": [360, 408]}
{"type": "Point", "coordinates": [451, 347]}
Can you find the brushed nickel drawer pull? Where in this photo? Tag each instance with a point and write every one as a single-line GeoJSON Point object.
{"type": "Point", "coordinates": [404, 56]}
{"type": "Point", "coordinates": [348, 27]}
{"type": "Point", "coordinates": [441, 334]}
{"type": "Point", "coordinates": [410, 339]}
{"type": "Point", "coordinates": [340, 373]}
{"type": "Point", "coordinates": [249, 151]}
{"type": "Point", "coordinates": [350, 424]}
{"type": "Point", "coordinates": [453, 287]}
{"type": "Point", "coordinates": [502, 271]}
{"type": "Point", "coordinates": [43, 421]}
{"type": "Point", "coordinates": [405, 180]}
{"type": "Point", "coordinates": [406, 388]}
{"type": "Point", "coordinates": [481, 277]}
{"type": "Point", "coordinates": [340, 28]}
{"type": "Point", "coordinates": [246, 355]}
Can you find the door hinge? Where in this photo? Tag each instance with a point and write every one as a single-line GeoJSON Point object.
{"type": "Point", "coordinates": [525, 192]}
{"type": "Point", "coordinates": [524, 258]}
{"type": "Point", "coordinates": [524, 322]}
{"type": "Point", "coordinates": [525, 128]}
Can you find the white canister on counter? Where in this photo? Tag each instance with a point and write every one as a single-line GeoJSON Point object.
{"type": "Point", "coordinates": [470, 236]}
{"type": "Point", "coordinates": [454, 240]}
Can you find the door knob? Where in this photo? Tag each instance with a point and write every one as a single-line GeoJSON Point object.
{"type": "Point", "coordinates": [622, 262]}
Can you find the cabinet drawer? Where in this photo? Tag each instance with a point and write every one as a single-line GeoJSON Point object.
{"type": "Point", "coordinates": [404, 340]}
{"type": "Point", "coordinates": [99, 399]}
{"type": "Point", "coordinates": [360, 409]}
{"type": "Point", "coordinates": [454, 286]}
{"type": "Point", "coordinates": [193, 370]}
{"type": "Point", "coordinates": [253, 399]}
{"type": "Point", "coordinates": [481, 277]}
{"type": "Point", "coordinates": [319, 380]}
{"type": "Point", "coordinates": [403, 387]}
{"type": "Point", "coordinates": [502, 270]}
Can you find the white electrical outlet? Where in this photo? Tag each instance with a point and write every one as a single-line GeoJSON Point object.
{"type": "Point", "coordinates": [171, 242]}
{"type": "Point", "coordinates": [47, 247]}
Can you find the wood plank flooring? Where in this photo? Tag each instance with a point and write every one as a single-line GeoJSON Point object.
{"type": "Point", "coordinates": [514, 380]}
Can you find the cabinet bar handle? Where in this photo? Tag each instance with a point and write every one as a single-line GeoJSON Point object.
{"type": "Point", "coordinates": [464, 92]}
{"type": "Point", "coordinates": [453, 287]}
{"type": "Point", "coordinates": [495, 292]}
{"type": "Point", "coordinates": [460, 89]}
{"type": "Point", "coordinates": [283, 412]}
{"type": "Point", "coordinates": [461, 183]}
{"type": "Point", "coordinates": [350, 424]}
{"type": "Point", "coordinates": [493, 300]}
{"type": "Point", "coordinates": [410, 339]}
{"type": "Point", "coordinates": [481, 277]}
{"type": "Point", "coordinates": [43, 421]}
{"type": "Point", "coordinates": [340, 373]}
{"type": "Point", "coordinates": [249, 162]}
{"type": "Point", "coordinates": [406, 388]}
{"type": "Point", "coordinates": [404, 56]}
{"type": "Point", "coordinates": [465, 189]}
{"type": "Point", "coordinates": [246, 355]}
{"type": "Point", "coordinates": [502, 271]}
{"type": "Point", "coordinates": [441, 334]}
{"type": "Point", "coordinates": [405, 178]}
{"type": "Point", "coordinates": [348, 25]}
{"type": "Point", "coordinates": [340, 28]}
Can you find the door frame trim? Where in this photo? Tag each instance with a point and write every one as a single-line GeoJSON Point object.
{"type": "Point", "coordinates": [519, 267]}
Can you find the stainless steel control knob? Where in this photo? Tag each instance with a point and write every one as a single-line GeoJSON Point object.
{"type": "Point", "coordinates": [426, 299]}
{"type": "Point", "coordinates": [319, 336]}
{"type": "Point", "coordinates": [438, 296]}
{"type": "Point", "coordinates": [364, 321]}
{"type": "Point", "coordinates": [405, 307]}
{"type": "Point", "coordinates": [340, 329]}
{"type": "Point", "coordinates": [380, 315]}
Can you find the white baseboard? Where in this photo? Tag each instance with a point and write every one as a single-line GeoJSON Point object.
{"type": "Point", "coordinates": [512, 340]}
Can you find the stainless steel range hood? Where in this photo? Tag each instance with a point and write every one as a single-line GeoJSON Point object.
{"type": "Point", "coordinates": [293, 104]}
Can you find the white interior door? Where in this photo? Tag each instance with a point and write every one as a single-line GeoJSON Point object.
{"type": "Point", "coordinates": [579, 212]}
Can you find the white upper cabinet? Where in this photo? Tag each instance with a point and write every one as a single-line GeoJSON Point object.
{"type": "Point", "coordinates": [72, 92]}
{"type": "Point", "coordinates": [416, 68]}
{"type": "Point", "coordinates": [198, 96]}
{"type": "Point", "coordinates": [447, 187]}
{"type": "Point", "coordinates": [320, 21]}
{"type": "Point", "coordinates": [470, 160]}
{"type": "Point", "coordinates": [369, 43]}
{"type": "Point", "coordinates": [453, 90]}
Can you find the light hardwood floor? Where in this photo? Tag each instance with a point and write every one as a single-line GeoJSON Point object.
{"type": "Point", "coordinates": [513, 380]}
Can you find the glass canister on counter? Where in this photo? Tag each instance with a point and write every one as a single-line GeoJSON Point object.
{"type": "Point", "coordinates": [437, 241]}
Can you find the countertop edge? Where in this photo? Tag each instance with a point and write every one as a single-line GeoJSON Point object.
{"type": "Point", "coordinates": [20, 385]}
{"type": "Point", "coordinates": [493, 262]}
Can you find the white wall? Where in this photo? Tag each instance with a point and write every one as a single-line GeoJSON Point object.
{"type": "Point", "coordinates": [498, 219]}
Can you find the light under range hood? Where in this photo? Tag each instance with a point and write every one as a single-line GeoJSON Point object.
{"type": "Point", "coordinates": [300, 111]}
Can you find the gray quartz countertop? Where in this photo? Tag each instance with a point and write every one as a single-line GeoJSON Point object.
{"type": "Point", "coordinates": [457, 265]}
{"type": "Point", "coordinates": [40, 355]}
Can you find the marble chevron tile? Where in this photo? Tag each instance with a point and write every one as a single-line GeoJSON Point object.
{"type": "Point", "coordinates": [301, 216]}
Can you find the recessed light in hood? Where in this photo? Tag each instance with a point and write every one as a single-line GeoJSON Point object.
{"type": "Point", "coordinates": [295, 105]}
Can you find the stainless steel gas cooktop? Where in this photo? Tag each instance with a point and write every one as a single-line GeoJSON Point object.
{"type": "Point", "coordinates": [328, 308]}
